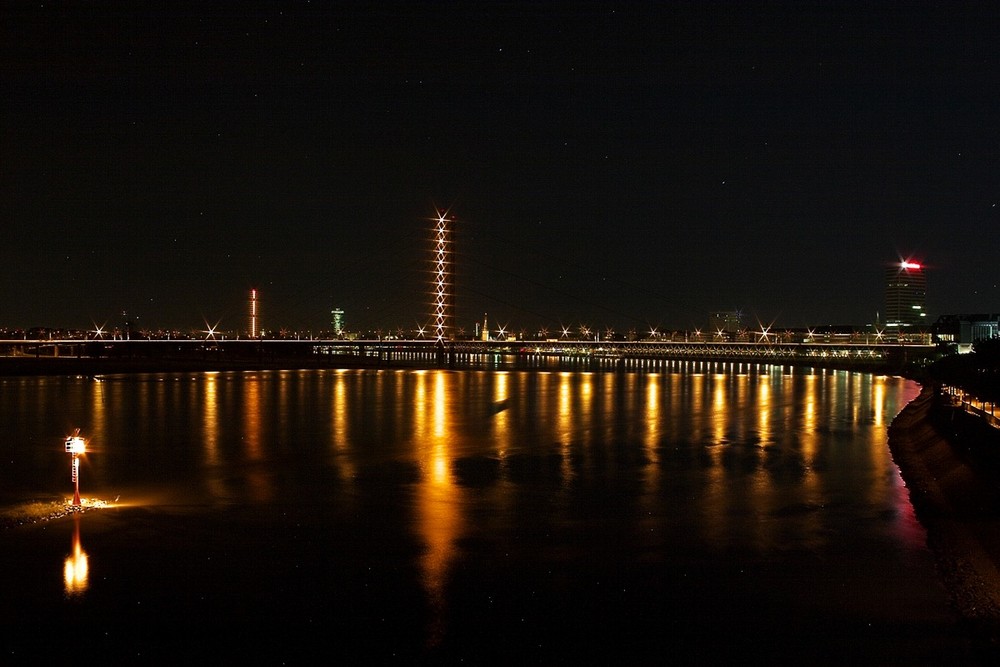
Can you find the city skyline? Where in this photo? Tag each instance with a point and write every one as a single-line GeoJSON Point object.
{"type": "Point", "coordinates": [903, 314]}
{"type": "Point", "coordinates": [605, 163]}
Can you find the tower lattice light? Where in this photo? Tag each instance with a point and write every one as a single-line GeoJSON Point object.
{"type": "Point", "coordinates": [441, 276]}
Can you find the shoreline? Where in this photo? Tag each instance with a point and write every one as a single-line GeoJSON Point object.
{"type": "Point", "coordinates": [948, 463]}
{"type": "Point", "coordinates": [38, 511]}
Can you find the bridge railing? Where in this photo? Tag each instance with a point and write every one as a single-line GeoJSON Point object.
{"type": "Point", "coordinates": [819, 354]}
{"type": "Point", "coordinates": [984, 409]}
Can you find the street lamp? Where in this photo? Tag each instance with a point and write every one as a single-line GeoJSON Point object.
{"type": "Point", "coordinates": [76, 446]}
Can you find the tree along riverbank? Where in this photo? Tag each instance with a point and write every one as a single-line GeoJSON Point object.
{"type": "Point", "coordinates": [950, 461]}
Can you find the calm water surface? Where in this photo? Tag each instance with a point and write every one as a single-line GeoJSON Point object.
{"type": "Point", "coordinates": [704, 512]}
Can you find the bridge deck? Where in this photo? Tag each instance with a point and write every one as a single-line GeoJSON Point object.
{"type": "Point", "coordinates": [868, 355]}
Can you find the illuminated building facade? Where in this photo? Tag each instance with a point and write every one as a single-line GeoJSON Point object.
{"type": "Point", "coordinates": [254, 328]}
{"type": "Point", "coordinates": [337, 316]}
{"type": "Point", "coordinates": [725, 322]}
{"type": "Point", "coordinates": [965, 330]}
{"type": "Point", "coordinates": [905, 295]}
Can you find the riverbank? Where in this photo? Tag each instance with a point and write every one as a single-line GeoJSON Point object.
{"type": "Point", "coordinates": [950, 462]}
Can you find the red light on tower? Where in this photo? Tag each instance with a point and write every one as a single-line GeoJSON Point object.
{"type": "Point", "coordinates": [909, 265]}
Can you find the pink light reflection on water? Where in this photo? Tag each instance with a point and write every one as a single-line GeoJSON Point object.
{"type": "Point", "coordinates": [906, 527]}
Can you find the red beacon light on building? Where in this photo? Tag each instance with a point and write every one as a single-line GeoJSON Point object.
{"type": "Point", "coordinates": [910, 265]}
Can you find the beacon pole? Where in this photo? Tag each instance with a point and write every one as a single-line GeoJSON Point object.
{"type": "Point", "coordinates": [76, 446]}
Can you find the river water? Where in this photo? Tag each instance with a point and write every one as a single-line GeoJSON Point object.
{"type": "Point", "coordinates": [701, 512]}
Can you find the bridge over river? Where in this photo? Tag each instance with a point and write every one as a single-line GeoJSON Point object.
{"type": "Point", "coordinates": [574, 354]}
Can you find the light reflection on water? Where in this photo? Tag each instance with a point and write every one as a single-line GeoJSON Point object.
{"type": "Point", "coordinates": [751, 439]}
{"type": "Point", "coordinates": [76, 566]}
{"type": "Point", "coordinates": [438, 498]}
{"type": "Point", "coordinates": [717, 459]}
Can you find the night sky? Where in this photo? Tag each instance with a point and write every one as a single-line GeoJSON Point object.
{"type": "Point", "coordinates": [618, 164]}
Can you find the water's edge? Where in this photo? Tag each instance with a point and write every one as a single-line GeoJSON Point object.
{"type": "Point", "coordinates": [956, 500]}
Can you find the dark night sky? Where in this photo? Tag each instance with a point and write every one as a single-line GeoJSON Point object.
{"type": "Point", "coordinates": [616, 164]}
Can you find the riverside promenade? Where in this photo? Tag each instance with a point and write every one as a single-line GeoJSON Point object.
{"type": "Point", "coordinates": [950, 461]}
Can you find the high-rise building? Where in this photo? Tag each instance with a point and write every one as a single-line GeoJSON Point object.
{"type": "Point", "coordinates": [905, 294]}
{"type": "Point", "coordinates": [338, 322]}
{"type": "Point", "coordinates": [725, 322]}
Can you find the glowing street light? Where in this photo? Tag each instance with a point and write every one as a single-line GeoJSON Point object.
{"type": "Point", "coordinates": [765, 332]}
{"type": "Point", "coordinates": [76, 446]}
{"type": "Point", "coordinates": [210, 331]}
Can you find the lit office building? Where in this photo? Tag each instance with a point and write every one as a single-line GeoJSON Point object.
{"type": "Point", "coordinates": [725, 322]}
{"type": "Point", "coordinates": [905, 294]}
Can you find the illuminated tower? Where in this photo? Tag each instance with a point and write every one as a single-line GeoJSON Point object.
{"type": "Point", "coordinates": [254, 331]}
{"type": "Point", "coordinates": [441, 277]}
{"type": "Point", "coordinates": [905, 292]}
{"type": "Point", "coordinates": [338, 322]}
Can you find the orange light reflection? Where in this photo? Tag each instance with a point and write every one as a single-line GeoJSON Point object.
{"type": "Point", "coordinates": [76, 567]}
{"type": "Point", "coordinates": [341, 443]}
{"type": "Point", "coordinates": [258, 478]}
{"type": "Point", "coordinates": [439, 498]}
{"type": "Point", "coordinates": [210, 426]}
